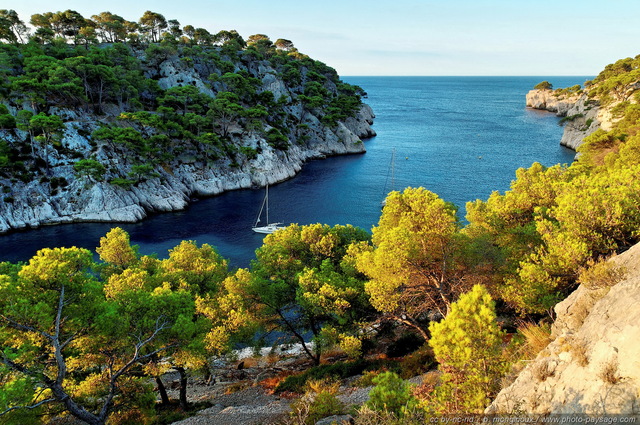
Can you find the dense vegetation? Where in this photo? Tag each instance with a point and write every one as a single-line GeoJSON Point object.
{"type": "Point", "coordinates": [72, 70]}
{"type": "Point", "coordinates": [86, 337]}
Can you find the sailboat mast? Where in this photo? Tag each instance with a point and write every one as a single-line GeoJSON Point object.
{"type": "Point", "coordinates": [267, 200]}
{"type": "Point", "coordinates": [393, 168]}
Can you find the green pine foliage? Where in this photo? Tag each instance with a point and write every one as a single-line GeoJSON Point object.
{"type": "Point", "coordinates": [391, 394]}
{"type": "Point", "coordinates": [556, 220]}
{"type": "Point", "coordinates": [107, 68]}
{"type": "Point", "coordinates": [467, 345]}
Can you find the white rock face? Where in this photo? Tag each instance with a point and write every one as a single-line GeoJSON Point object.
{"type": "Point", "coordinates": [548, 101]}
{"type": "Point", "coordinates": [46, 201]}
{"type": "Point", "coordinates": [36, 203]}
{"type": "Point", "coordinates": [593, 365]}
{"type": "Point", "coordinates": [584, 115]}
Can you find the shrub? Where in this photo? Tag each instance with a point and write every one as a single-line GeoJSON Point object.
{"type": "Point", "coordinates": [468, 347]}
{"type": "Point", "coordinates": [391, 394]}
{"type": "Point", "coordinates": [544, 85]}
{"type": "Point", "coordinates": [277, 140]}
{"type": "Point", "coordinates": [7, 121]}
{"type": "Point", "coordinates": [338, 370]}
{"type": "Point", "coordinates": [418, 362]}
{"type": "Point", "coordinates": [570, 118]}
{"type": "Point", "coordinates": [249, 152]}
{"type": "Point", "coordinates": [123, 183]}
{"type": "Point", "coordinates": [367, 416]}
{"type": "Point", "coordinates": [320, 400]}
{"type": "Point", "coordinates": [600, 274]}
{"type": "Point", "coordinates": [366, 380]}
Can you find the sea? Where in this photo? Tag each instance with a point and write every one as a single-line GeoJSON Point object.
{"type": "Point", "coordinates": [460, 137]}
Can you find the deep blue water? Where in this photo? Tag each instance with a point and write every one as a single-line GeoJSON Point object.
{"type": "Point", "coordinates": [461, 137]}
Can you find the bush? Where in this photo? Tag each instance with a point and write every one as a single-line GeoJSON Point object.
{"type": "Point", "coordinates": [7, 121]}
{"type": "Point", "coordinates": [319, 401]}
{"type": "Point", "coordinates": [391, 394]}
{"type": "Point", "coordinates": [544, 85]}
{"type": "Point", "coordinates": [600, 275]}
{"type": "Point", "coordinates": [340, 370]}
{"type": "Point", "coordinates": [468, 346]}
{"type": "Point", "coordinates": [277, 140]}
{"type": "Point", "coordinates": [123, 183]}
{"type": "Point", "coordinates": [367, 416]}
{"type": "Point", "coordinates": [249, 152]}
{"type": "Point", "coordinates": [570, 118]}
{"type": "Point", "coordinates": [417, 363]}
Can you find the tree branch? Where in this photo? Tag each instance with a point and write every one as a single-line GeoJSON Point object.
{"type": "Point", "coordinates": [33, 406]}
{"type": "Point", "coordinates": [60, 361]}
{"type": "Point", "coordinates": [104, 411]}
{"type": "Point", "coordinates": [21, 327]}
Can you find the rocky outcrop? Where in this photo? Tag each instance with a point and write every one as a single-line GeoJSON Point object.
{"type": "Point", "coordinates": [593, 364]}
{"type": "Point", "coordinates": [37, 202]}
{"type": "Point", "coordinates": [582, 116]}
{"type": "Point", "coordinates": [549, 100]}
{"type": "Point", "coordinates": [60, 195]}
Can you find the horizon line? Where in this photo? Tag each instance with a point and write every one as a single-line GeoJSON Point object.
{"type": "Point", "coordinates": [474, 76]}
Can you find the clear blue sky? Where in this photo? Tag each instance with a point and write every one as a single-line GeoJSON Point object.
{"type": "Point", "coordinates": [411, 37]}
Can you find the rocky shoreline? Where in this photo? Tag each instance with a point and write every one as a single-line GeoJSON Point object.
{"type": "Point", "coordinates": [60, 195]}
{"type": "Point", "coordinates": [35, 203]}
{"type": "Point", "coordinates": [582, 116]}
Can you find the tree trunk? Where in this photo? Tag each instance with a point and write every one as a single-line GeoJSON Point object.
{"type": "Point", "coordinates": [183, 388]}
{"type": "Point", "coordinates": [163, 391]}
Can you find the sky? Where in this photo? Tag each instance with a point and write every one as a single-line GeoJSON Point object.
{"type": "Point", "coordinates": [410, 37]}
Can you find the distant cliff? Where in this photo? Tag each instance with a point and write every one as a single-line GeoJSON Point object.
{"type": "Point", "coordinates": [255, 116]}
{"type": "Point", "coordinates": [582, 115]}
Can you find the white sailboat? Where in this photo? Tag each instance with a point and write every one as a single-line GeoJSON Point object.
{"type": "Point", "coordinates": [270, 227]}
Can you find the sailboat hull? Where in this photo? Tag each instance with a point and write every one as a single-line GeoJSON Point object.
{"type": "Point", "coordinates": [269, 228]}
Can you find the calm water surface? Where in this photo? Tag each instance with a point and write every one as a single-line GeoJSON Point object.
{"type": "Point", "coordinates": [461, 137]}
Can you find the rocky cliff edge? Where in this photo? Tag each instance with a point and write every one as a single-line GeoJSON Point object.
{"type": "Point", "coordinates": [43, 201]}
{"type": "Point", "coordinates": [582, 116]}
{"type": "Point", "coordinates": [592, 366]}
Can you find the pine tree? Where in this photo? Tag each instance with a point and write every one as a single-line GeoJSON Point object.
{"type": "Point", "coordinates": [467, 345]}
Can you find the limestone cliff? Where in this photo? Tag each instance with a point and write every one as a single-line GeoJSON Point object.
{"type": "Point", "coordinates": [34, 197]}
{"type": "Point", "coordinates": [582, 115]}
{"type": "Point", "coordinates": [592, 366]}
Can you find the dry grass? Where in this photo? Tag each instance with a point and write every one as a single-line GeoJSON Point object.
{"type": "Point", "coordinates": [271, 383]}
{"type": "Point", "coordinates": [318, 386]}
{"type": "Point", "coordinates": [601, 274]}
{"type": "Point", "coordinates": [537, 337]}
{"type": "Point", "coordinates": [366, 416]}
{"type": "Point", "coordinates": [578, 350]}
{"type": "Point", "coordinates": [609, 372]}
{"type": "Point", "coordinates": [236, 386]}
{"type": "Point", "coordinates": [543, 369]}
{"type": "Point", "coordinates": [424, 391]}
